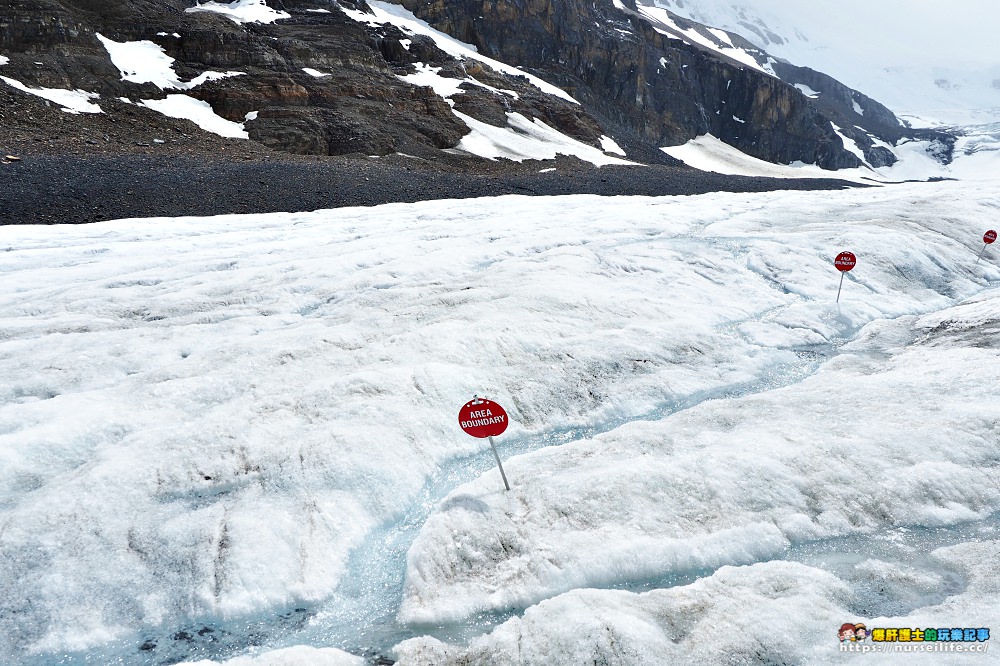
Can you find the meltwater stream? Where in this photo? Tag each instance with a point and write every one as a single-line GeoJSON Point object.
{"type": "Point", "coordinates": [891, 572]}
{"type": "Point", "coordinates": [360, 616]}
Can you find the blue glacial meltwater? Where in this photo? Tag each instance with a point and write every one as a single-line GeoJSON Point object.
{"type": "Point", "coordinates": [360, 617]}
{"type": "Point", "coordinates": [890, 573]}
{"type": "Point", "coordinates": [893, 572]}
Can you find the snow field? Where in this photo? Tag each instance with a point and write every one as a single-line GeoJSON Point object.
{"type": "Point", "coordinates": [715, 40]}
{"type": "Point", "coordinates": [241, 11]}
{"type": "Point", "coordinates": [399, 16]}
{"type": "Point", "coordinates": [220, 376]}
{"type": "Point", "coordinates": [898, 429]}
{"type": "Point", "coordinates": [146, 62]}
{"type": "Point", "coordinates": [976, 158]}
{"type": "Point", "coordinates": [771, 612]}
{"type": "Point", "coordinates": [736, 615]}
{"type": "Point", "coordinates": [300, 655]}
{"type": "Point", "coordinates": [527, 139]}
{"type": "Point", "coordinates": [197, 111]}
{"type": "Point", "coordinates": [206, 417]}
{"type": "Point", "coordinates": [71, 101]}
{"type": "Point", "coordinates": [523, 138]}
{"type": "Point", "coordinates": [730, 481]}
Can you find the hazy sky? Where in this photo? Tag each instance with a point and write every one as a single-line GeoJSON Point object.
{"type": "Point", "coordinates": [891, 31]}
{"type": "Point", "coordinates": [957, 32]}
{"type": "Point", "coordinates": [924, 58]}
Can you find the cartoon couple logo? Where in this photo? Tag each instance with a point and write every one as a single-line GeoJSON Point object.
{"type": "Point", "coordinates": [852, 632]}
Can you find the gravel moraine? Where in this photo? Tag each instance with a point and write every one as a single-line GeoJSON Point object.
{"type": "Point", "coordinates": [51, 189]}
{"type": "Point", "coordinates": [132, 162]}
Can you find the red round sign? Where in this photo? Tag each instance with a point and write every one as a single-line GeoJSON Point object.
{"type": "Point", "coordinates": [845, 261]}
{"type": "Point", "coordinates": [482, 418]}
{"type": "Point", "coordinates": [989, 236]}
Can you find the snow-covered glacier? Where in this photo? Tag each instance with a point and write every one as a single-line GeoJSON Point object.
{"type": "Point", "coordinates": [236, 436]}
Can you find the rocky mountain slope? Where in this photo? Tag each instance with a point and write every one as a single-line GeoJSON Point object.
{"type": "Point", "coordinates": [318, 77]}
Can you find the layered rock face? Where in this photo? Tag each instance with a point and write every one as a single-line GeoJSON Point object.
{"type": "Point", "coordinates": [660, 87]}
{"type": "Point", "coordinates": [636, 83]}
{"type": "Point", "coordinates": [359, 106]}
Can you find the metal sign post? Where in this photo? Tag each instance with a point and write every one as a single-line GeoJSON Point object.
{"type": "Point", "coordinates": [484, 419]}
{"type": "Point", "coordinates": [844, 262]}
{"type": "Point", "coordinates": [497, 456]}
{"type": "Point", "coordinates": [988, 238]}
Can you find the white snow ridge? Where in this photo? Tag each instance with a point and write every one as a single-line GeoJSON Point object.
{"type": "Point", "coordinates": [242, 11]}
{"type": "Point", "coordinates": [241, 431]}
{"type": "Point", "coordinates": [71, 101]}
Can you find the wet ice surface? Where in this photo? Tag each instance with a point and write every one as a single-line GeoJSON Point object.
{"type": "Point", "coordinates": [227, 433]}
{"type": "Point", "coordinates": [867, 470]}
{"type": "Point", "coordinates": [891, 573]}
{"type": "Point", "coordinates": [360, 617]}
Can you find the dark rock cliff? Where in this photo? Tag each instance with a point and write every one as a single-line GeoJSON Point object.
{"type": "Point", "coordinates": [361, 106]}
{"type": "Point", "coordinates": [635, 82]}
{"type": "Point", "coordinates": [660, 87]}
